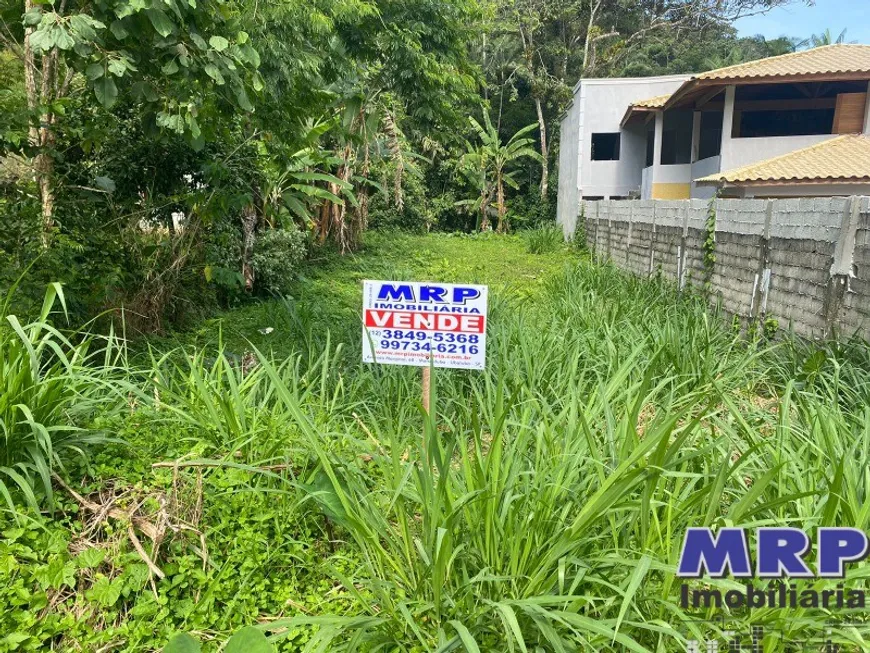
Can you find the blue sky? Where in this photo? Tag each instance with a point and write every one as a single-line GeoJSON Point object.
{"type": "Point", "coordinates": [796, 19]}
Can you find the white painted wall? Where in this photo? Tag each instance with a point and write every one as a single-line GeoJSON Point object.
{"type": "Point", "coordinates": [568, 203]}
{"type": "Point", "coordinates": [702, 168]}
{"type": "Point", "coordinates": [680, 173]}
{"type": "Point", "coordinates": [739, 152]}
{"type": "Point", "coordinates": [646, 183]}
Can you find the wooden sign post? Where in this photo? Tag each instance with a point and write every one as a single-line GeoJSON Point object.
{"type": "Point", "coordinates": [427, 386]}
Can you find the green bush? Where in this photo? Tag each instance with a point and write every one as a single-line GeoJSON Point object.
{"type": "Point", "coordinates": [544, 240]}
{"type": "Point", "coordinates": [530, 210]}
{"type": "Point", "coordinates": [50, 388]}
{"type": "Point", "coordinates": [276, 259]}
{"type": "Point", "coordinates": [223, 256]}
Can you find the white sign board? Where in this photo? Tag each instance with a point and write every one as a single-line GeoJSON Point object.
{"type": "Point", "coordinates": [404, 323]}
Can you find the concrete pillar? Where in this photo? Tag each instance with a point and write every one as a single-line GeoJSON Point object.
{"type": "Point", "coordinates": [657, 152]}
{"type": "Point", "coordinates": [842, 266]}
{"type": "Point", "coordinates": [657, 144]}
{"type": "Point", "coordinates": [867, 111]}
{"type": "Point", "coordinates": [727, 123]}
{"type": "Point", "coordinates": [761, 285]}
{"type": "Point", "coordinates": [696, 135]}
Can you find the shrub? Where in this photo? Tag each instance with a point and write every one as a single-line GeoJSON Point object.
{"type": "Point", "coordinates": [530, 210]}
{"type": "Point", "coordinates": [223, 256]}
{"type": "Point", "coordinates": [544, 240]}
{"type": "Point", "coordinates": [276, 259]}
{"type": "Point", "coordinates": [50, 388]}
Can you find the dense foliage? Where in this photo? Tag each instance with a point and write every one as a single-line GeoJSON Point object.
{"type": "Point", "coordinates": [248, 485]}
{"type": "Point", "coordinates": [541, 505]}
{"type": "Point", "coordinates": [146, 146]}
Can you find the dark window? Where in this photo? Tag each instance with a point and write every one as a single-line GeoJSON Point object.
{"type": "Point", "coordinates": [711, 135]}
{"type": "Point", "coordinates": [677, 138]}
{"type": "Point", "coordinates": [674, 150]}
{"type": "Point", "coordinates": [605, 147]}
{"type": "Point", "coordinates": [786, 123]}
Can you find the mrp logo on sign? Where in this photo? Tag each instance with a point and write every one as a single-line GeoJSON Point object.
{"type": "Point", "coordinates": [779, 552]}
{"type": "Point", "coordinates": [404, 323]}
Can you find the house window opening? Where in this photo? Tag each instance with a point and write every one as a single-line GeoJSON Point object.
{"type": "Point", "coordinates": [758, 124]}
{"type": "Point", "coordinates": [605, 147]}
{"type": "Point", "coordinates": [677, 138]}
{"type": "Point", "coordinates": [710, 141]}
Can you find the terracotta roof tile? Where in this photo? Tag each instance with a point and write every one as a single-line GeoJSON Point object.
{"type": "Point", "coordinates": [839, 160]}
{"type": "Point", "coordinates": [842, 58]}
{"type": "Point", "coordinates": [656, 102]}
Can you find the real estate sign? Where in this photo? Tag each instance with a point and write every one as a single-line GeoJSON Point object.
{"type": "Point", "coordinates": [404, 323]}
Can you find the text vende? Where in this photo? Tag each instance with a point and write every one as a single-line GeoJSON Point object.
{"type": "Point", "coordinates": [424, 321]}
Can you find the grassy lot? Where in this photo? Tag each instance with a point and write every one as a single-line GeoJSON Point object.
{"type": "Point", "coordinates": [540, 508]}
{"type": "Point", "coordinates": [329, 294]}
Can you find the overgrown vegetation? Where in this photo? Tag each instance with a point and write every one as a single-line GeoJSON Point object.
{"type": "Point", "coordinates": [542, 505]}
{"type": "Point", "coordinates": [192, 455]}
{"type": "Point", "coordinates": [49, 386]}
{"type": "Point", "coordinates": [148, 151]}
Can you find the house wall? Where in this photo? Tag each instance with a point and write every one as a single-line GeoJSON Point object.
{"type": "Point", "coordinates": [672, 182]}
{"type": "Point", "coordinates": [646, 183]}
{"type": "Point", "coordinates": [568, 202]}
{"type": "Point", "coordinates": [702, 168]}
{"type": "Point", "coordinates": [598, 106]}
{"type": "Point", "coordinates": [739, 152]}
{"type": "Point", "coordinates": [802, 262]}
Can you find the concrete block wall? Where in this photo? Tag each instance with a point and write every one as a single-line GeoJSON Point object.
{"type": "Point", "coordinates": [804, 262]}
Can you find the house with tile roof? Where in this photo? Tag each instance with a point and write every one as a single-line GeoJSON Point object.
{"type": "Point", "coordinates": [788, 126]}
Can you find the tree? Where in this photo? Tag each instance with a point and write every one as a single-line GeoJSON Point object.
{"type": "Point", "coordinates": [824, 38]}
{"type": "Point", "coordinates": [181, 62]}
{"type": "Point", "coordinates": [535, 50]}
{"type": "Point", "coordinates": [493, 160]}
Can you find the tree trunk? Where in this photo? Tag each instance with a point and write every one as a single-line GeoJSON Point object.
{"type": "Point", "coordinates": [589, 62]}
{"type": "Point", "coordinates": [484, 209]}
{"type": "Point", "coordinates": [361, 221]}
{"type": "Point", "coordinates": [343, 232]}
{"type": "Point", "coordinates": [500, 204]}
{"type": "Point", "coordinates": [44, 165]}
{"type": "Point", "coordinates": [323, 226]}
{"type": "Point", "coordinates": [545, 165]}
{"type": "Point", "coordinates": [249, 228]}
{"type": "Point", "coordinates": [42, 135]}
{"type": "Point", "coordinates": [395, 147]}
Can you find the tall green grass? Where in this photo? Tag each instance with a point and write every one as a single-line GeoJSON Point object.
{"type": "Point", "coordinates": [544, 239]}
{"type": "Point", "coordinates": [542, 505]}
{"type": "Point", "coordinates": [51, 387]}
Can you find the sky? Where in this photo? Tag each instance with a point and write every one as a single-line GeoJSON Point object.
{"type": "Point", "coordinates": [797, 19]}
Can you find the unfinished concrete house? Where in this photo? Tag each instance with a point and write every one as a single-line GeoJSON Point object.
{"type": "Point", "coordinates": [795, 125]}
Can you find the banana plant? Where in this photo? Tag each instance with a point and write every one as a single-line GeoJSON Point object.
{"type": "Point", "coordinates": [494, 159]}
{"type": "Point", "coordinates": [295, 190]}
